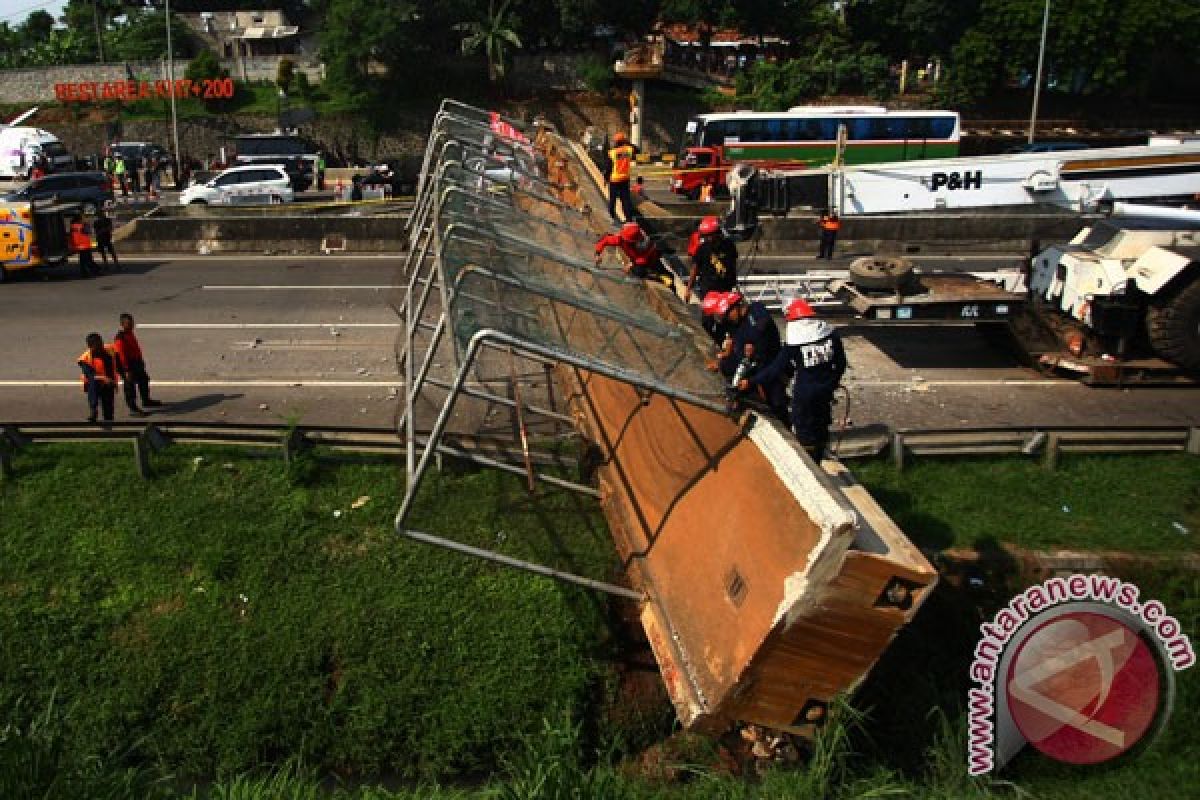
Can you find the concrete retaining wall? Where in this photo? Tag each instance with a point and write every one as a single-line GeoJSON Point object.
{"type": "Point", "coordinates": [928, 234]}
{"type": "Point", "coordinates": [261, 234]}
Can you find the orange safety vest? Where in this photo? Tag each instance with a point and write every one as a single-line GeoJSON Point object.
{"type": "Point", "coordinates": [105, 369]}
{"type": "Point", "coordinates": [622, 162]}
{"type": "Point", "coordinates": [80, 241]}
{"type": "Point", "coordinates": [831, 224]}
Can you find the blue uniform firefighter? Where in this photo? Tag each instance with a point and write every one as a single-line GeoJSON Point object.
{"type": "Point", "coordinates": [749, 341]}
{"type": "Point", "coordinates": [816, 359]}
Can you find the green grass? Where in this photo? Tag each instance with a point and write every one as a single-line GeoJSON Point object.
{"type": "Point", "coordinates": [220, 617]}
{"type": "Point", "coordinates": [1129, 503]}
{"type": "Point", "coordinates": [218, 633]}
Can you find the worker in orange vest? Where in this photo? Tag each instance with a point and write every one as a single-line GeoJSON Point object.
{"type": "Point", "coordinates": [132, 365]}
{"type": "Point", "coordinates": [81, 243]}
{"type": "Point", "coordinates": [830, 225]}
{"type": "Point", "coordinates": [620, 167]}
{"type": "Point", "coordinates": [100, 376]}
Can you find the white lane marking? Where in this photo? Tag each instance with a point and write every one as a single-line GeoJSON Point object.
{"type": "Point", "coordinates": [968, 383]}
{"type": "Point", "coordinates": [260, 344]}
{"type": "Point", "coordinates": [245, 257]}
{"type": "Point", "coordinates": [240, 287]}
{"type": "Point", "coordinates": [914, 257]}
{"type": "Point", "coordinates": [316, 384]}
{"type": "Point", "coordinates": [245, 325]}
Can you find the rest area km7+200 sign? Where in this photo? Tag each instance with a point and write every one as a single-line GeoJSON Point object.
{"type": "Point", "coordinates": [129, 91]}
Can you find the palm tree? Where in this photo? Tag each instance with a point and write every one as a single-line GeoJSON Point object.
{"type": "Point", "coordinates": [494, 34]}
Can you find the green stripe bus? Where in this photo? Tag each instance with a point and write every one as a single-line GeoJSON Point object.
{"type": "Point", "coordinates": [807, 136]}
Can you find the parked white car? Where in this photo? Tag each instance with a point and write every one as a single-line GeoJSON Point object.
{"type": "Point", "coordinates": [259, 183]}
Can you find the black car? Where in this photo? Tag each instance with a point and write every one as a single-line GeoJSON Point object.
{"type": "Point", "coordinates": [90, 189]}
{"type": "Point", "coordinates": [295, 154]}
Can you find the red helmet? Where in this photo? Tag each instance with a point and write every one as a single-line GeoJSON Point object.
{"type": "Point", "coordinates": [798, 309]}
{"type": "Point", "coordinates": [620, 138]}
{"type": "Point", "coordinates": [709, 226]}
{"type": "Point", "coordinates": [716, 304]}
{"type": "Point", "coordinates": [631, 232]}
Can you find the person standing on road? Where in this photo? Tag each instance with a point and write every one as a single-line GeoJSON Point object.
{"type": "Point", "coordinates": [620, 167]}
{"type": "Point", "coordinates": [356, 192]}
{"type": "Point", "coordinates": [121, 173]}
{"type": "Point", "coordinates": [100, 375]}
{"type": "Point", "coordinates": [830, 225]}
{"type": "Point", "coordinates": [153, 175]}
{"type": "Point", "coordinates": [320, 172]}
{"type": "Point", "coordinates": [81, 243]}
{"type": "Point", "coordinates": [814, 354]}
{"type": "Point", "coordinates": [103, 228]}
{"type": "Point", "coordinates": [132, 366]}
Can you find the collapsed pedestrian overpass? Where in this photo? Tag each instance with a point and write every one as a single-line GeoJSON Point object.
{"type": "Point", "coordinates": [766, 583]}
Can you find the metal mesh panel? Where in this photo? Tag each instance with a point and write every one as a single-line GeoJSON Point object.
{"type": "Point", "coordinates": [500, 262]}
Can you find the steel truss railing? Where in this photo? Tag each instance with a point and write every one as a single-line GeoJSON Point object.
{"type": "Point", "coordinates": [474, 241]}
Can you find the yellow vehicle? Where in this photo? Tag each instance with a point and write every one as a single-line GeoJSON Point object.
{"type": "Point", "coordinates": [34, 235]}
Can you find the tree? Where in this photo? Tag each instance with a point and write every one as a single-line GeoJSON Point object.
{"type": "Point", "coordinates": [205, 66]}
{"type": "Point", "coordinates": [82, 19]}
{"type": "Point", "coordinates": [37, 27]}
{"type": "Point", "coordinates": [359, 34]}
{"type": "Point", "coordinates": [143, 37]}
{"type": "Point", "coordinates": [1121, 47]}
{"type": "Point", "coordinates": [912, 28]}
{"type": "Point", "coordinates": [494, 33]}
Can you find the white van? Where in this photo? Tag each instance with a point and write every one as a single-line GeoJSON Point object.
{"type": "Point", "coordinates": [20, 147]}
{"type": "Point", "coordinates": [265, 183]}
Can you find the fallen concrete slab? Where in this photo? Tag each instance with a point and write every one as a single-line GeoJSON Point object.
{"type": "Point", "coordinates": [770, 584]}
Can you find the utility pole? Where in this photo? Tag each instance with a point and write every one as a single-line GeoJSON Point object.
{"type": "Point", "coordinates": [171, 79]}
{"type": "Point", "coordinates": [1037, 84]}
{"type": "Point", "coordinates": [96, 22]}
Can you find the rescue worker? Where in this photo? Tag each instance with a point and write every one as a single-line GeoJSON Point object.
{"type": "Point", "coordinates": [815, 355]}
{"type": "Point", "coordinates": [750, 341]}
{"type": "Point", "coordinates": [121, 173]}
{"type": "Point", "coordinates": [320, 172]}
{"type": "Point", "coordinates": [620, 166]}
{"type": "Point", "coordinates": [103, 228]}
{"type": "Point", "coordinates": [132, 366]}
{"type": "Point", "coordinates": [644, 259]}
{"type": "Point", "coordinates": [830, 225]}
{"type": "Point", "coordinates": [81, 243]}
{"type": "Point", "coordinates": [100, 375]}
{"type": "Point", "coordinates": [714, 260]}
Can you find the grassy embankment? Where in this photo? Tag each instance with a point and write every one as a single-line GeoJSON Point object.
{"type": "Point", "coordinates": [222, 620]}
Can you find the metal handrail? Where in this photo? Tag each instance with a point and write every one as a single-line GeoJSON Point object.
{"type": "Point", "coordinates": [933, 441]}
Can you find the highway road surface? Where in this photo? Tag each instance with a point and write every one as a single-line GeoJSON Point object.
{"type": "Point", "coordinates": [311, 339]}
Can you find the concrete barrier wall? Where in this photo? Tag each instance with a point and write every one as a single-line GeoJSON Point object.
{"type": "Point", "coordinates": [262, 233]}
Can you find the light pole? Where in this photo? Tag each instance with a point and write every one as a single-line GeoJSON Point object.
{"type": "Point", "coordinates": [174, 118]}
{"type": "Point", "coordinates": [1037, 83]}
